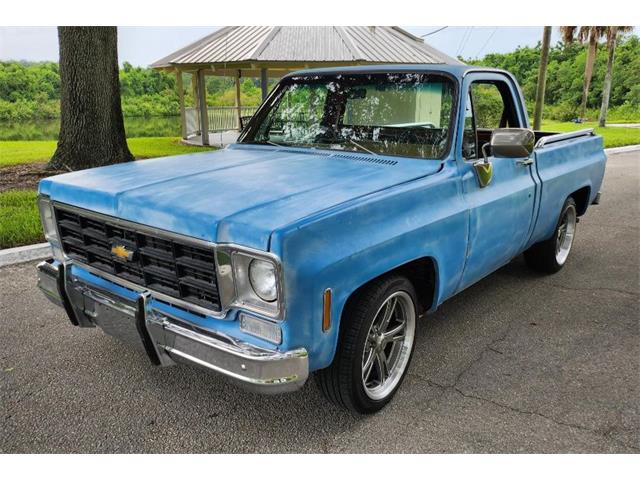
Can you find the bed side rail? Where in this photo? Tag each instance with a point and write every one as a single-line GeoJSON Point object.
{"type": "Point", "coordinates": [561, 137]}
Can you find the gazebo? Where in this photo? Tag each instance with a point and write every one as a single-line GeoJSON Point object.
{"type": "Point", "coordinates": [263, 52]}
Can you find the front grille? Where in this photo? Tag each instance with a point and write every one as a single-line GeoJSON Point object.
{"type": "Point", "coordinates": [161, 263]}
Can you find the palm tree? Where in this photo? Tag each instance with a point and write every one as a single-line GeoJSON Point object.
{"type": "Point", "coordinates": [612, 34]}
{"type": "Point", "coordinates": [589, 35]}
{"type": "Point", "coordinates": [542, 78]}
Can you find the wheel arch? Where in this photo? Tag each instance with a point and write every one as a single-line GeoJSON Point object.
{"type": "Point", "coordinates": [581, 197]}
{"type": "Point", "coordinates": [421, 272]}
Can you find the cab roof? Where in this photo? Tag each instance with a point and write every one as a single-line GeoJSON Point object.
{"type": "Point", "coordinates": [458, 71]}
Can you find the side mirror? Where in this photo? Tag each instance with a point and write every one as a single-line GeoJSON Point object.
{"type": "Point", "coordinates": [484, 168]}
{"type": "Point", "coordinates": [512, 142]}
{"type": "Point", "coordinates": [484, 171]}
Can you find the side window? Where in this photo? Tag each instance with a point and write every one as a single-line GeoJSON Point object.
{"type": "Point", "coordinates": [469, 141]}
{"type": "Point", "coordinates": [493, 106]}
{"type": "Point", "coordinates": [489, 106]}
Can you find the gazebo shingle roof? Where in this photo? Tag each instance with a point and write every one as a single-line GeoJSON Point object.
{"type": "Point", "coordinates": [306, 45]}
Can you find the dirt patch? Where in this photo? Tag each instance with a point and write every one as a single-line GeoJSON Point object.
{"type": "Point", "coordinates": [24, 176]}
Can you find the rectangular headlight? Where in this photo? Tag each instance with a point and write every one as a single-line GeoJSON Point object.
{"type": "Point", "coordinates": [250, 286]}
{"type": "Point", "coordinates": [48, 219]}
{"type": "Point", "coordinates": [255, 278]}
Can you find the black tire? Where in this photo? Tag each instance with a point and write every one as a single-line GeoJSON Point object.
{"type": "Point", "coordinates": [342, 382]}
{"type": "Point", "coordinates": [543, 256]}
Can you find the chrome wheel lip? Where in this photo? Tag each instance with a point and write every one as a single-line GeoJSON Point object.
{"type": "Point", "coordinates": [393, 353]}
{"type": "Point", "coordinates": [565, 234]}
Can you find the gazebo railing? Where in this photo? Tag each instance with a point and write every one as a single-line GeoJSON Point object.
{"type": "Point", "coordinates": [220, 118]}
{"type": "Point", "coordinates": [191, 118]}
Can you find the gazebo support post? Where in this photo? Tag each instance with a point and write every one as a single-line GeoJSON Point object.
{"type": "Point", "coordinates": [194, 96]}
{"type": "Point", "coordinates": [238, 103]}
{"type": "Point", "coordinates": [183, 116]}
{"type": "Point", "coordinates": [263, 83]}
{"type": "Point", "coordinates": [202, 102]}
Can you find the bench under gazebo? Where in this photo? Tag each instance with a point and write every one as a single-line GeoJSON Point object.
{"type": "Point", "coordinates": [271, 52]}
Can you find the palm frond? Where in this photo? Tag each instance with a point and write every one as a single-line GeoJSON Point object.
{"type": "Point", "coordinates": [568, 34]}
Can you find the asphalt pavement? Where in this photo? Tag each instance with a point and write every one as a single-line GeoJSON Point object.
{"type": "Point", "coordinates": [516, 363]}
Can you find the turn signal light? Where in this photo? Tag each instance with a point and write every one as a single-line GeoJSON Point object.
{"type": "Point", "coordinates": [326, 310]}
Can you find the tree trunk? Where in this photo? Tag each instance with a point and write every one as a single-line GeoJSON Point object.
{"type": "Point", "coordinates": [608, 77]}
{"type": "Point", "coordinates": [91, 124]}
{"type": "Point", "coordinates": [588, 69]}
{"type": "Point", "coordinates": [542, 78]}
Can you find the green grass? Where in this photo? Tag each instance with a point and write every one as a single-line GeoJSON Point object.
{"type": "Point", "coordinates": [16, 152]}
{"type": "Point", "coordinates": [20, 223]}
{"type": "Point", "coordinates": [150, 147]}
{"type": "Point", "coordinates": [613, 136]}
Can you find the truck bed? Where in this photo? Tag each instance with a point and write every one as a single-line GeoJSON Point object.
{"type": "Point", "coordinates": [565, 163]}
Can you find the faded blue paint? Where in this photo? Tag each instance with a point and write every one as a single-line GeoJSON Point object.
{"type": "Point", "coordinates": [501, 214]}
{"type": "Point", "coordinates": [337, 220]}
{"type": "Point", "coordinates": [566, 166]}
{"type": "Point", "coordinates": [240, 194]}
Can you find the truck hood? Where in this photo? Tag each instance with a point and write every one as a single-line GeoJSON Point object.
{"type": "Point", "coordinates": [241, 194]}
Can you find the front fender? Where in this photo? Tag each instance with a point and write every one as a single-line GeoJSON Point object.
{"type": "Point", "coordinates": [345, 249]}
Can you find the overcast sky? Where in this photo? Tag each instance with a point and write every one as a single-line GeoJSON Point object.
{"type": "Point", "coordinates": [141, 46]}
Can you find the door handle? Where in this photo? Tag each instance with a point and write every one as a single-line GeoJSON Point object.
{"type": "Point", "coordinates": [525, 163]}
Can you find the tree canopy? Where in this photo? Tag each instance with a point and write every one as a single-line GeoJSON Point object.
{"type": "Point", "coordinates": [565, 76]}
{"type": "Point", "coordinates": [32, 90]}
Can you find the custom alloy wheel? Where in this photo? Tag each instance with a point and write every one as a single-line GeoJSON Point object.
{"type": "Point", "coordinates": [388, 345]}
{"type": "Point", "coordinates": [565, 233]}
{"type": "Point", "coordinates": [375, 344]}
{"type": "Point", "coordinates": [550, 255]}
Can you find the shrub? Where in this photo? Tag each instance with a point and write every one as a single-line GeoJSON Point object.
{"type": "Point", "coordinates": [563, 112]}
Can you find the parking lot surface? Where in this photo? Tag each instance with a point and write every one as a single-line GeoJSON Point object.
{"type": "Point", "coordinates": [516, 363]}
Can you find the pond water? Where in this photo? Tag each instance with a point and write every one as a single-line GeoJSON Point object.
{"type": "Point", "coordinates": [49, 129]}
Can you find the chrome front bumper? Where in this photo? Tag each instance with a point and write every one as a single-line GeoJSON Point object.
{"type": "Point", "coordinates": [167, 339]}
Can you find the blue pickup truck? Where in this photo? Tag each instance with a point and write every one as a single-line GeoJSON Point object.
{"type": "Point", "coordinates": [355, 201]}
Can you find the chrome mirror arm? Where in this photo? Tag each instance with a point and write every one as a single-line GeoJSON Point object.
{"type": "Point", "coordinates": [485, 151]}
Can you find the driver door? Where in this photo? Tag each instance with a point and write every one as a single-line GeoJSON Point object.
{"type": "Point", "coordinates": [501, 213]}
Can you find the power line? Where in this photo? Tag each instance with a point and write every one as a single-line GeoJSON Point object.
{"type": "Point", "coordinates": [435, 31]}
{"type": "Point", "coordinates": [462, 41]}
{"type": "Point", "coordinates": [495, 29]}
{"type": "Point", "coordinates": [466, 39]}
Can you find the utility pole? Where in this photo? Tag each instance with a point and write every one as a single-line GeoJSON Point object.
{"type": "Point", "coordinates": [608, 77]}
{"type": "Point", "coordinates": [542, 78]}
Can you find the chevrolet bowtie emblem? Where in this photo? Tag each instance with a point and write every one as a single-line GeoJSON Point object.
{"type": "Point", "coordinates": [122, 252]}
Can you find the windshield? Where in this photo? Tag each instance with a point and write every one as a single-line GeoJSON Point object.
{"type": "Point", "coordinates": [404, 114]}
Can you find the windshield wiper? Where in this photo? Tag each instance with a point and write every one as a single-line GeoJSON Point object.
{"type": "Point", "coordinates": [266, 142]}
{"type": "Point", "coordinates": [351, 140]}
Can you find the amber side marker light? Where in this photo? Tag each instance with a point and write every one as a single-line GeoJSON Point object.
{"type": "Point", "coordinates": [326, 310]}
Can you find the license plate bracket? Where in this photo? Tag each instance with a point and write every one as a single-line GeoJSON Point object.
{"type": "Point", "coordinates": [117, 316]}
